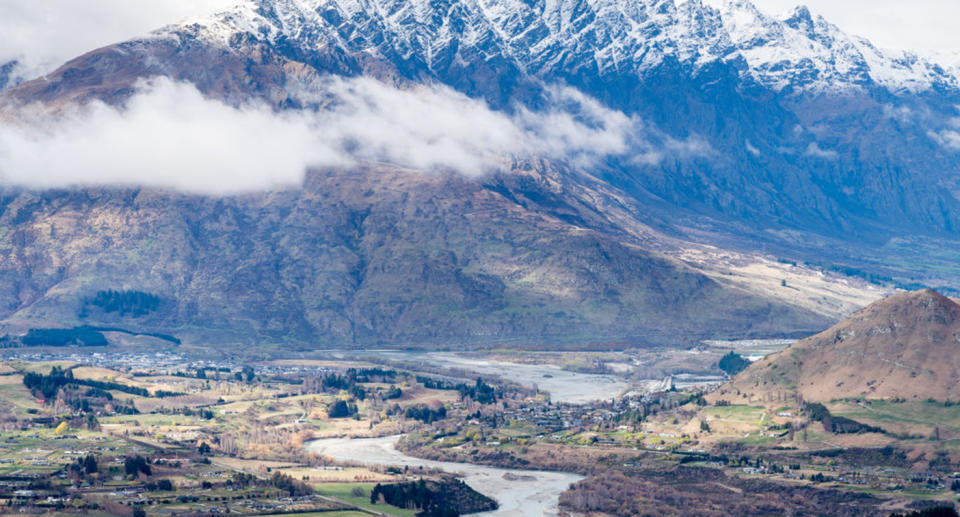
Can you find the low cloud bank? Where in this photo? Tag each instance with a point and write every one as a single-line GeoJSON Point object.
{"type": "Point", "coordinates": [170, 136]}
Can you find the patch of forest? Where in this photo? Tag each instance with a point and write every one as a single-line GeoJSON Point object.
{"type": "Point", "coordinates": [83, 336]}
{"type": "Point", "coordinates": [124, 303]}
{"type": "Point", "coordinates": [837, 424]}
{"type": "Point", "coordinates": [449, 497]}
{"type": "Point", "coordinates": [80, 336]}
{"type": "Point", "coordinates": [47, 386]}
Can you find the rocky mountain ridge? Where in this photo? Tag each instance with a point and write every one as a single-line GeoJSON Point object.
{"type": "Point", "coordinates": [798, 51]}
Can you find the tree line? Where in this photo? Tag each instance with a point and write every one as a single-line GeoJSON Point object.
{"type": "Point", "coordinates": [134, 303]}
{"type": "Point", "coordinates": [48, 385]}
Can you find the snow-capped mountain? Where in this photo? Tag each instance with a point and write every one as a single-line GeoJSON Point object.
{"type": "Point", "coordinates": [756, 133]}
{"type": "Point", "coordinates": [803, 125]}
{"type": "Point", "coordinates": [550, 38]}
{"type": "Point", "coordinates": [799, 51]}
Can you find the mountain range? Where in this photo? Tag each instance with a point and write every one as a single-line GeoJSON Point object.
{"type": "Point", "coordinates": [762, 171]}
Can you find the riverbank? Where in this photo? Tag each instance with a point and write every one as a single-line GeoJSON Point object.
{"type": "Point", "coordinates": [520, 493]}
{"type": "Point", "coordinates": [562, 385]}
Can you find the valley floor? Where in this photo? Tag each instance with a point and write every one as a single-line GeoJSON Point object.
{"type": "Point", "coordinates": [168, 434]}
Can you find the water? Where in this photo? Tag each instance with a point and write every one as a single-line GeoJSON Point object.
{"type": "Point", "coordinates": [562, 385]}
{"type": "Point", "coordinates": [520, 493]}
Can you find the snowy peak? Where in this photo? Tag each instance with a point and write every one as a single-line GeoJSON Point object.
{"type": "Point", "coordinates": [804, 52]}
{"type": "Point", "coordinates": [797, 52]}
{"type": "Point", "coordinates": [800, 52]}
{"type": "Point", "coordinates": [801, 19]}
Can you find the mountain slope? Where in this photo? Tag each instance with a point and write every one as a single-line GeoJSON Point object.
{"type": "Point", "coordinates": [903, 346]}
{"type": "Point", "coordinates": [373, 256]}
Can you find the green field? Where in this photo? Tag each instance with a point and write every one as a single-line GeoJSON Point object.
{"type": "Point", "coordinates": [13, 392]}
{"type": "Point", "coordinates": [148, 419]}
{"type": "Point", "coordinates": [733, 412]}
{"type": "Point", "coordinates": [743, 415]}
{"type": "Point", "coordinates": [909, 417]}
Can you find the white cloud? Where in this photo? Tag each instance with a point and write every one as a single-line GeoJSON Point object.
{"type": "Point", "coordinates": [167, 136]}
{"type": "Point", "coordinates": [901, 114]}
{"type": "Point", "coordinates": [581, 129]}
{"type": "Point", "coordinates": [815, 150]}
{"type": "Point", "coordinates": [947, 138]}
{"type": "Point", "coordinates": [170, 136]}
{"type": "Point", "coordinates": [43, 34]}
{"type": "Point", "coordinates": [422, 128]}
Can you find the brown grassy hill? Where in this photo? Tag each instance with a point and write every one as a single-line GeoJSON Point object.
{"type": "Point", "coordinates": [903, 346]}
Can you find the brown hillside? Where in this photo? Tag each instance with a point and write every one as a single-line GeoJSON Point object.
{"type": "Point", "coordinates": [903, 346]}
{"type": "Point", "coordinates": [372, 255]}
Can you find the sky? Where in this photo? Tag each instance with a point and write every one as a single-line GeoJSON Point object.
{"type": "Point", "coordinates": [49, 32]}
